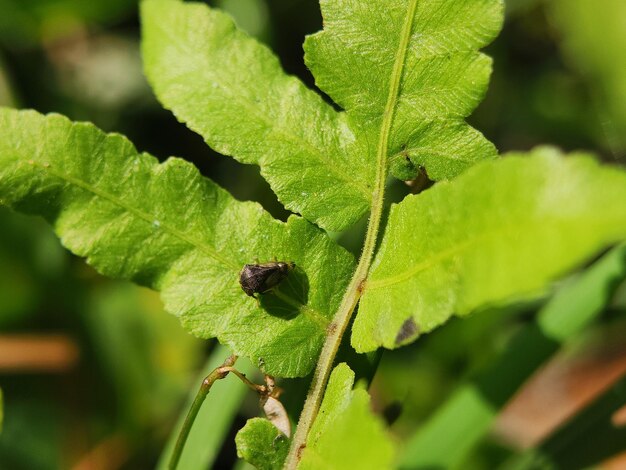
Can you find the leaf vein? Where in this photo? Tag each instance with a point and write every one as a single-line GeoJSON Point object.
{"type": "Point", "coordinates": [273, 129]}
{"type": "Point", "coordinates": [146, 217]}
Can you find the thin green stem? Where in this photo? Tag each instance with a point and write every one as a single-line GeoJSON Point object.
{"type": "Point", "coordinates": [343, 315]}
{"type": "Point", "coordinates": [205, 388]}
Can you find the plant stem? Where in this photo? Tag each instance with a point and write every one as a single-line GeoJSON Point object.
{"type": "Point", "coordinates": [335, 333]}
{"type": "Point", "coordinates": [340, 322]}
{"type": "Point", "coordinates": [205, 388]}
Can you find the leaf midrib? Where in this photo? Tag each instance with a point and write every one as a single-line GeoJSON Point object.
{"type": "Point", "coordinates": [136, 212]}
{"type": "Point", "coordinates": [452, 251]}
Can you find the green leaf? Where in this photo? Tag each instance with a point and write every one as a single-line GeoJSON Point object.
{"type": "Point", "coordinates": [346, 435]}
{"type": "Point", "coordinates": [502, 230]}
{"type": "Point", "coordinates": [165, 226]}
{"type": "Point", "coordinates": [261, 444]}
{"type": "Point", "coordinates": [445, 440]}
{"type": "Point", "coordinates": [231, 90]}
{"type": "Point", "coordinates": [573, 307]}
{"type": "Point", "coordinates": [408, 72]}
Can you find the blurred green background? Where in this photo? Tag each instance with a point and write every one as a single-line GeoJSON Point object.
{"type": "Point", "coordinates": [94, 374]}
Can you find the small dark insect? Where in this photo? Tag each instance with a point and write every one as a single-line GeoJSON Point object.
{"type": "Point", "coordinates": [261, 278]}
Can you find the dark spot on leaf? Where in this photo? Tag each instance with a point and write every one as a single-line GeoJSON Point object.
{"type": "Point", "coordinates": [408, 330]}
{"type": "Point", "coordinates": [392, 412]}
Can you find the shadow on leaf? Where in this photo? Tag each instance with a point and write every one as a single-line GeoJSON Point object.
{"type": "Point", "coordinates": [286, 299]}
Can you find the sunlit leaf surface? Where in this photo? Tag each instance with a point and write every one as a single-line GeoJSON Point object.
{"type": "Point", "coordinates": [346, 435]}
{"type": "Point", "coordinates": [167, 227]}
{"type": "Point", "coordinates": [502, 230]}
